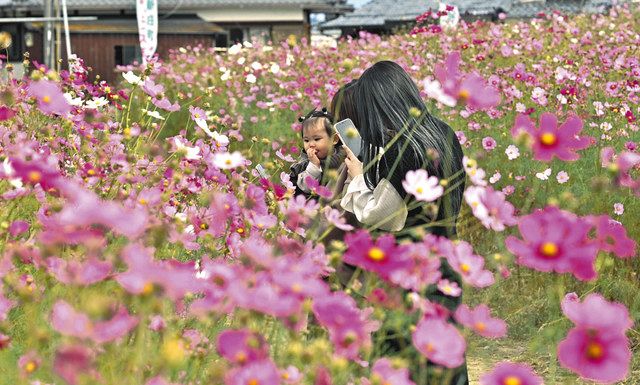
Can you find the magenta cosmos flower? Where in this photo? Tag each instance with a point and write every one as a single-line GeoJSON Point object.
{"type": "Point", "coordinates": [480, 321]}
{"type": "Point", "coordinates": [349, 327]}
{"type": "Point", "coordinates": [597, 347]}
{"type": "Point", "coordinates": [383, 256]}
{"type": "Point", "coordinates": [508, 373]}
{"type": "Point", "coordinates": [440, 342]}
{"type": "Point", "coordinates": [555, 240]}
{"type": "Point", "coordinates": [49, 97]}
{"type": "Point", "coordinates": [549, 140]}
{"type": "Point", "coordinates": [612, 237]}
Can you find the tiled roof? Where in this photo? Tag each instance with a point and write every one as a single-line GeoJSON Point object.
{"type": "Point", "coordinates": [184, 4]}
{"type": "Point", "coordinates": [380, 12]}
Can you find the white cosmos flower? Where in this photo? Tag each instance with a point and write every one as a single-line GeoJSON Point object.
{"type": "Point", "coordinates": [155, 115]}
{"type": "Point", "coordinates": [275, 68]}
{"type": "Point", "coordinates": [562, 177]}
{"type": "Point", "coordinates": [9, 171]}
{"type": "Point", "coordinates": [256, 66]}
{"type": "Point", "coordinates": [424, 187]}
{"type": "Point", "coordinates": [226, 75]}
{"type": "Point", "coordinates": [228, 160]}
{"type": "Point", "coordinates": [191, 153]}
{"type": "Point", "coordinates": [512, 152]}
{"type": "Point", "coordinates": [434, 90]}
{"type": "Point", "coordinates": [235, 49]}
{"type": "Point", "coordinates": [251, 78]}
{"type": "Point", "coordinates": [544, 175]}
{"type": "Point", "coordinates": [132, 78]}
{"type": "Point", "coordinates": [96, 103]}
{"type": "Point", "coordinates": [77, 102]}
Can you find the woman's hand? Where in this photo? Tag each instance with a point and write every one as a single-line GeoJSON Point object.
{"type": "Point", "coordinates": [354, 166]}
{"type": "Point", "coordinates": [312, 154]}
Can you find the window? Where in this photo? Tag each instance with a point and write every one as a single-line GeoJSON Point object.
{"type": "Point", "coordinates": [127, 54]}
{"type": "Point", "coordinates": [222, 40]}
{"type": "Point", "coordinates": [261, 34]}
{"type": "Point", "coordinates": [236, 35]}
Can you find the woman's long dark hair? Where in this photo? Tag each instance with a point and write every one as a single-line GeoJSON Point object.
{"type": "Point", "coordinates": [388, 107]}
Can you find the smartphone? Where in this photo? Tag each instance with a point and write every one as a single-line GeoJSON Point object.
{"type": "Point", "coordinates": [349, 135]}
{"type": "Point", "coordinates": [261, 171]}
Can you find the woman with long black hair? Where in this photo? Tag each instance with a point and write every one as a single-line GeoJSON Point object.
{"type": "Point", "coordinates": [400, 135]}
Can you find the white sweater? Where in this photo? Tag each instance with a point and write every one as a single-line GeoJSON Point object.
{"type": "Point", "coordinates": [382, 208]}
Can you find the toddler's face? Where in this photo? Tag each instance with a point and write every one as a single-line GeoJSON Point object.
{"type": "Point", "coordinates": [316, 137]}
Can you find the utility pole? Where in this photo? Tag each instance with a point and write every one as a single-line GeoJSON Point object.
{"type": "Point", "coordinates": [48, 38]}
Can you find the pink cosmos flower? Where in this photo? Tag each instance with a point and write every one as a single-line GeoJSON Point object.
{"type": "Point", "coordinates": [349, 327]}
{"type": "Point", "coordinates": [549, 140]}
{"type": "Point", "coordinates": [84, 208]}
{"type": "Point", "coordinates": [612, 237]}
{"type": "Point", "coordinates": [424, 187]}
{"type": "Point", "coordinates": [49, 97]}
{"type": "Point", "coordinates": [385, 373]}
{"type": "Point", "coordinates": [78, 273]}
{"type": "Point", "coordinates": [597, 347]}
{"type": "Point", "coordinates": [488, 143]}
{"type": "Point", "coordinates": [440, 342]}
{"type": "Point", "coordinates": [318, 189]}
{"type": "Point", "coordinates": [469, 265]}
{"type": "Point", "coordinates": [157, 323]}
{"type": "Point", "coordinates": [480, 321]}
{"type": "Point", "coordinates": [618, 208]}
{"type": "Point", "coordinates": [29, 362]}
{"type": "Point", "coordinates": [449, 288]}
{"type": "Point", "coordinates": [67, 321]}
{"type": "Point", "coordinates": [242, 346]}
{"type": "Point", "coordinates": [422, 270]}
{"type": "Point", "coordinates": [34, 172]}
{"type": "Point", "coordinates": [508, 373]}
{"type": "Point", "coordinates": [263, 372]}
{"type": "Point", "coordinates": [471, 88]}
{"type": "Point", "coordinates": [383, 256]}
{"type": "Point", "coordinates": [555, 240]}
{"type": "Point", "coordinates": [334, 217]}
{"type": "Point", "coordinates": [490, 207]}
{"type": "Point", "coordinates": [18, 227]}
{"type": "Point", "coordinates": [74, 361]}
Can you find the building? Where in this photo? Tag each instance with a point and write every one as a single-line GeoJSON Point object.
{"type": "Point", "coordinates": [112, 38]}
{"type": "Point", "coordinates": [383, 16]}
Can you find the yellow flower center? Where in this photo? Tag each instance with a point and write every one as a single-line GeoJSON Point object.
{"type": "Point", "coordinates": [91, 172]}
{"type": "Point", "coordinates": [429, 347]}
{"type": "Point", "coordinates": [253, 381]}
{"type": "Point", "coordinates": [464, 94]}
{"type": "Point", "coordinates": [148, 288]}
{"type": "Point", "coordinates": [480, 326]}
{"type": "Point", "coordinates": [142, 201]}
{"type": "Point", "coordinates": [30, 367]}
{"type": "Point", "coordinates": [240, 230]}
{"type": "Point", "coordinates": [204, 226]}
{"type": "Point", "coordinates": [227, 162]}
{"type": "Point", "coordinates": [594, 350]}
{"type": "Point", "coordinates": [512, 380]}
{"type": "Point", "coordinates": [46, 99]}
{"type": "Point", "coordinates": [35, 176]}
{"type": "Point", "coordinates": [376, 254]}
{"type": "Point", "coordinates": [465, 267]}
{"type": "Point", "coordinates": [296, 287]}
{"type": "Point", "coordinates": [241, 357]}
{"type": "Point", "coordinates": [197, 116]}
{"type": "Point", "coordinates": [419, 190]}
{"type": "Point", "coordinates": [548, 139]}
{"type": "Point", "coordinates": [549, 249]}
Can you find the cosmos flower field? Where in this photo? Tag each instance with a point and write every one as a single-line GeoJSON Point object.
{"type": "Point", "coordinates": [140, 245]}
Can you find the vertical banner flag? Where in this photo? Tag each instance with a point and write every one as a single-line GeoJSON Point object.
{"type": "Point", "coordinates": [147, 11]}
{"type": "Point", "coordinates": [452, 18]}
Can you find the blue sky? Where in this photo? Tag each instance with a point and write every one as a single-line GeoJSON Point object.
{"type": "Point", "coordinates": [357, 3]}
